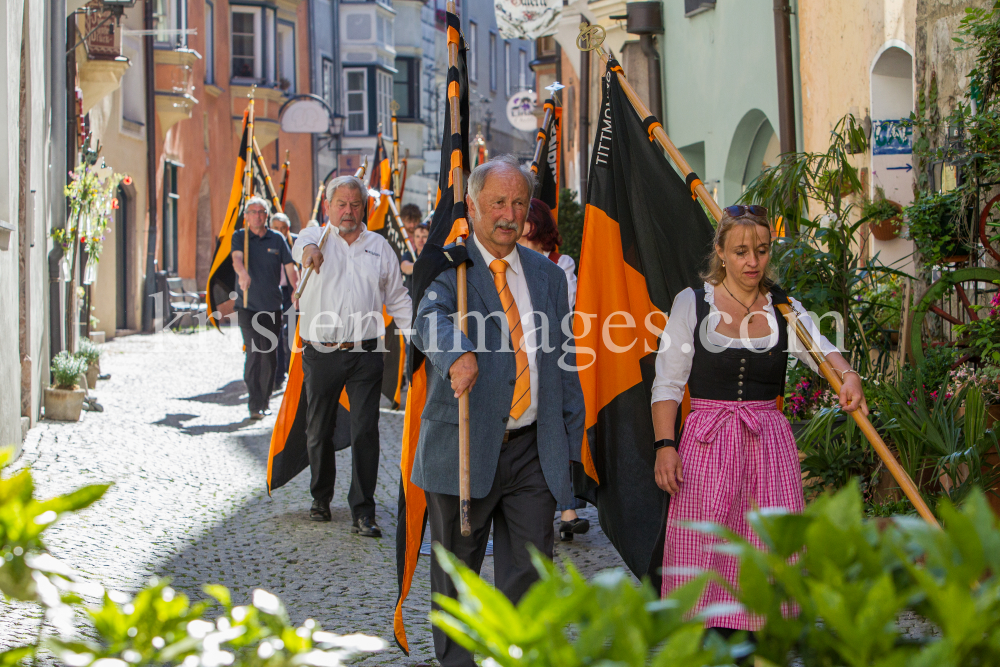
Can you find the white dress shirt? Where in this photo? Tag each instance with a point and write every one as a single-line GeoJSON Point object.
{"type": "Point", "coordinates": [522, 298]}
{"type": "Point", "coordinates": [343, 303]}
{"type": "Point", "coordinates": [676, 353]}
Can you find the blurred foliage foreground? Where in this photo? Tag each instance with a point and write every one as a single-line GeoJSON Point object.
{"type": "Point", "coordinates": [830, 588]}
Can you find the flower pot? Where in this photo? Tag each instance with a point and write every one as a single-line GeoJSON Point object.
{"type": "Point", "coordinates": [97, 336]}
{"type": "Point", "coordinates": [63, 404]}
{"type": "Point", "coordinates": [955, 259]}
{"type": "Point", "coordinates": [93, 370]}
{"type": "Point", "coordinates": [886, 230]}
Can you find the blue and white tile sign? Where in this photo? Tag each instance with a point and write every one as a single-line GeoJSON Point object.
{"type": "Point", "coordinates": [892, 137]}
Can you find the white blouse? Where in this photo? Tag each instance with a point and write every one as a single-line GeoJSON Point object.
{"type": "Point", "coordinates": [676, 353]}
{"type": "Point", "coordinates": [567, 264]}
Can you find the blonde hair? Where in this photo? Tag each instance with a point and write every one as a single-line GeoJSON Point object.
{"type": "Point", "coordinates": [716, 271]}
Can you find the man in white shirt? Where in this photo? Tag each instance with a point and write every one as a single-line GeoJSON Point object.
{"type": "Point", "coordinates": [340, 322]}
{"type": "Point", "coordinates": [526, 410]}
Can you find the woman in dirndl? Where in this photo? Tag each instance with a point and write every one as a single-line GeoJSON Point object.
{"type": "Point", "coordinates": [735, 452]}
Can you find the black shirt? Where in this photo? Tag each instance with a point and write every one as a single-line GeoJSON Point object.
{"type": "Point", "coordinates": [268, 254]}
{"type": "Point", "coordinates": [407, 279]}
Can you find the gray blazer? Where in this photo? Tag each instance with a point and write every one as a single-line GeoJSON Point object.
{"type": "Point", "coordinates": [560, 398]}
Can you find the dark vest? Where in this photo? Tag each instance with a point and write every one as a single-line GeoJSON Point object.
{"type": "Point", "coordinates": [736, 374]}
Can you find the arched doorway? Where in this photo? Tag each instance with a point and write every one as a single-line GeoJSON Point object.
{"type": "Point", "coordinates": [754, 147]}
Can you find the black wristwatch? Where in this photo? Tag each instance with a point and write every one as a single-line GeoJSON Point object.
{"type": "Point", "coordinates": [665, 442]}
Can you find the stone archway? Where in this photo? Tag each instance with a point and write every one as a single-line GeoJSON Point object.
{"type": "Point", "coordinates": [754, 145]}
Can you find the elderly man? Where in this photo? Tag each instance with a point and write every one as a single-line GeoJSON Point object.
{"type": "Point", "coordinates": [282, 225]}
{"type": "Point", "coordinates": [260, 317]}
{"type": "Point", "coordinates": [340, 321]}
{"type": "Point", "coordinates": [526, 409]}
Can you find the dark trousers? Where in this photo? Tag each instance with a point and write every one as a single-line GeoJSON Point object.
{"type": "Point", "coordinates": [519, 506]}
{"type": "Point", "coordinates": [261, 331]}
{"type": "Point", "coordinates": [287, 327]}
{"type": "Point", "coordinates": [325, 375]}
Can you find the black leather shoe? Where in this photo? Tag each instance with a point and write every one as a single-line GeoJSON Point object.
{"type": "Point", "coordinates": [366, 527]}
{"type": "Point", "coordinates": [320, 511]}
{"type": "Point", "coordinates": [577, 526]}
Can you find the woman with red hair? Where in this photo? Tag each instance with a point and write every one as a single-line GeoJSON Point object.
{"type": "Point", "coordinates": [541, 235]}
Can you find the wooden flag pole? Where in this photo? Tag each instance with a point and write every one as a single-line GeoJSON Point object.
{"type": "Point", "coordinates": [590, 39]}
{"type": "Point", "coordinates": [286, 169]}
{"type": "Point", "coordinates": [319, 198]}
{"type": "Point", "coordinates": [247, 192]}
{"type": "Point", "coordinates": [397, 182]}
{"type": "Point", "coordinates": [458, 196]}
{"type": "Point", "coordinates": [360, 173]}
{"type": "Point", "coordinates": [267, 177]}
{"type": "Point", "coordinates": [543, 133]}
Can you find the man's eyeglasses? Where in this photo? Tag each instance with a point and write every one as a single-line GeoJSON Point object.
{"type": "Point", "coordinates": [739, 210]}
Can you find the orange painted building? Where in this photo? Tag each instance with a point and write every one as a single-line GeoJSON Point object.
{"type": "Point", "coordinates": [208, 57]}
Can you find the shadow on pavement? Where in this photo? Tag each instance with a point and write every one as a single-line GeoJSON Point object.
{"type": "Point", "coordinates": [233, 393]}
{"type": "Point", "coordinates": [177, 421]}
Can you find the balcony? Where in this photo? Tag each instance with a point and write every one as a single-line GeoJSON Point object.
{"type": "Point", "coordinates": [175, 84]}
{"type": "Point", "coordinates": [99, 57]}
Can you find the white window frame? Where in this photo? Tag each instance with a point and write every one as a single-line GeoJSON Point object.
{"type": "Point", "coordinates": [174, 14]}
{"type": "Point", "coordinates": [506, 67]}
{"type": "Point", "coordinates": [473, 51]}
{"type": "Point", "coordinates": [258, 54]}
{"type": "Point", "coordinates": [383, 99]}
{"type": "Point", "coordinates": [522, 69]}
{"type": "Point", "coordinates": [364, 101]}
{"type": "Point", "coordinates": [328, 76]}
{"type": "Point", "coordinates": [288, 28]}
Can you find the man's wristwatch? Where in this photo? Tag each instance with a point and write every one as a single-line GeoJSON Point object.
{"type": "Point", "coordinates": [665, 442]}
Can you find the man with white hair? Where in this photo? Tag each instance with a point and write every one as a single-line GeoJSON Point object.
{"type": "Point", "coordinates": [526, 410]}
{"type": "Point", "coordinates": [260, 318]}
{"type": "Point", "coordinates": [340, 322]}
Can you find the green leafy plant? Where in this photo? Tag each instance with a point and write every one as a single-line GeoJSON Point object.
{"type": "Point", "coordinates": [878, 207]}
{"type": "Point", "coordinates": [836, 452]}
{"type": "Point", "coordinates": [156, 626]}
{"type": "Point", "coordinates": [805, 393]}
{"type": "Point", "coordinates": [565, 621]}
{"type": "Point", "coordinates": [89, 351]}
{"type": "Point", "coordinates": [66, 368]}
{"type": "Point", "coordinates": [936, 225]}
{"type": "Point", "coordinates": [570, 224]}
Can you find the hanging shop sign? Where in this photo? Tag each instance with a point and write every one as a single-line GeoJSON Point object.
{"type": "Point", "coordinates": [527, 19]}
{"type": "Point", "coordinates": [521, 110]}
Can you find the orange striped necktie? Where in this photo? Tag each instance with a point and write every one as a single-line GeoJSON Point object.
{"type": "Point", "coordinates": [522, 386]}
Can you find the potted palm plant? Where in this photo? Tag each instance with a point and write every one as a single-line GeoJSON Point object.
{"type": "Point", "coordinates": [64, 399]}
{"type": "Point", "coordinates": [883, 216]}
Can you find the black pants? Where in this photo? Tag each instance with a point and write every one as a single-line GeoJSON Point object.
{"type": "Point", "coordinates": [325, 375]}
{"type": "Point", "coordinates": [519, 506]}
{"type": "Point", "coordinates": [260, 337]}
{"type": "Point", "coordinates": [287, 327]}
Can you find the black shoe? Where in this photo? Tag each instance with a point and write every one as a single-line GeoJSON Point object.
{"type": "Point", "coordinates": [366, 527]}
{"type": "Point", "coordinates": [320, 511]}
{"type": "Point", "coordinates": [577, 526]}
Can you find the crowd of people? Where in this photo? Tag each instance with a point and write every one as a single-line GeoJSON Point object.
{"type": "Point", "coordinates": [723, 342]}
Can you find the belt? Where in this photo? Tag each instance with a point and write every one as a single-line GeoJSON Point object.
{"type": "Point", "coordinates": [366, 345]}
{"type": "Point", "coordinates": [518, 432]}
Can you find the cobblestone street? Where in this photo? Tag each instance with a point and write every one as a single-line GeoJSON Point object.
{"type": "Point", "coordinates": [189, 499]}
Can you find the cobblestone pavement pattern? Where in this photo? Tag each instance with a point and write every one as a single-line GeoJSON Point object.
{"type": "Point", "coordinates": [189, 500]}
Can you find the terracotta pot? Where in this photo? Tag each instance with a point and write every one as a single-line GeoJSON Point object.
{"type": "Point", "coordinates": [886, 230]}
{"type": "Point", "coordinates": [93, 370]}
{"type": "Point", "coordinates": [63, 404]}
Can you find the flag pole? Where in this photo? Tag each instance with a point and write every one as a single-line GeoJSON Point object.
{"type": "Point", "coordinates": [590, 39]}
{"type": "Point", "coordinates": [319, 198]}
{"type": "Point", "coordinates": [286, 169]}
{"type": "Point", "coordinates": [458, 196]}
{"type": "Point", "coordinates": [360, 173]}
{"type": "Point", "coordinates": [543, 134]}
{"type": "Point", "coordinates": [247, 191]}
{"type": "Point", "coordinates": [397, 184]}
{"type": "Point", "coordinates": [399, 224]}
{"type": "Point", "coordinates": [267, 178]}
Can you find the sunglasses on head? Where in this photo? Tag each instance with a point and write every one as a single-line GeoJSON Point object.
{"type": "Point", "coordinates": [739, 210]}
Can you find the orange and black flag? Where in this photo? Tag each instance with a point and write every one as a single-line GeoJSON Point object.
{"type": "Point", "coordinates": [551, 159]}
{"type": "Point", "coordinates": [449, 223]}
{"type": "Point", "coordinates": [645, 239]}
{"type": "Point", "coordinates": [222, 276]}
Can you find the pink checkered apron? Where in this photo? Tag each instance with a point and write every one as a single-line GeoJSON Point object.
{"type": "Point", "coordinates": [735, 457]}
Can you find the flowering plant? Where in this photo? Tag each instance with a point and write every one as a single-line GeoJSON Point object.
{"type": "Point", "coordinates": [984, 378]}
{"type": "Point", "coordinates": [91, 204]}
{"type": "Point", "coordinates": [983, 335]}
{"type": "Point", "coordinates": [806, 394]}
